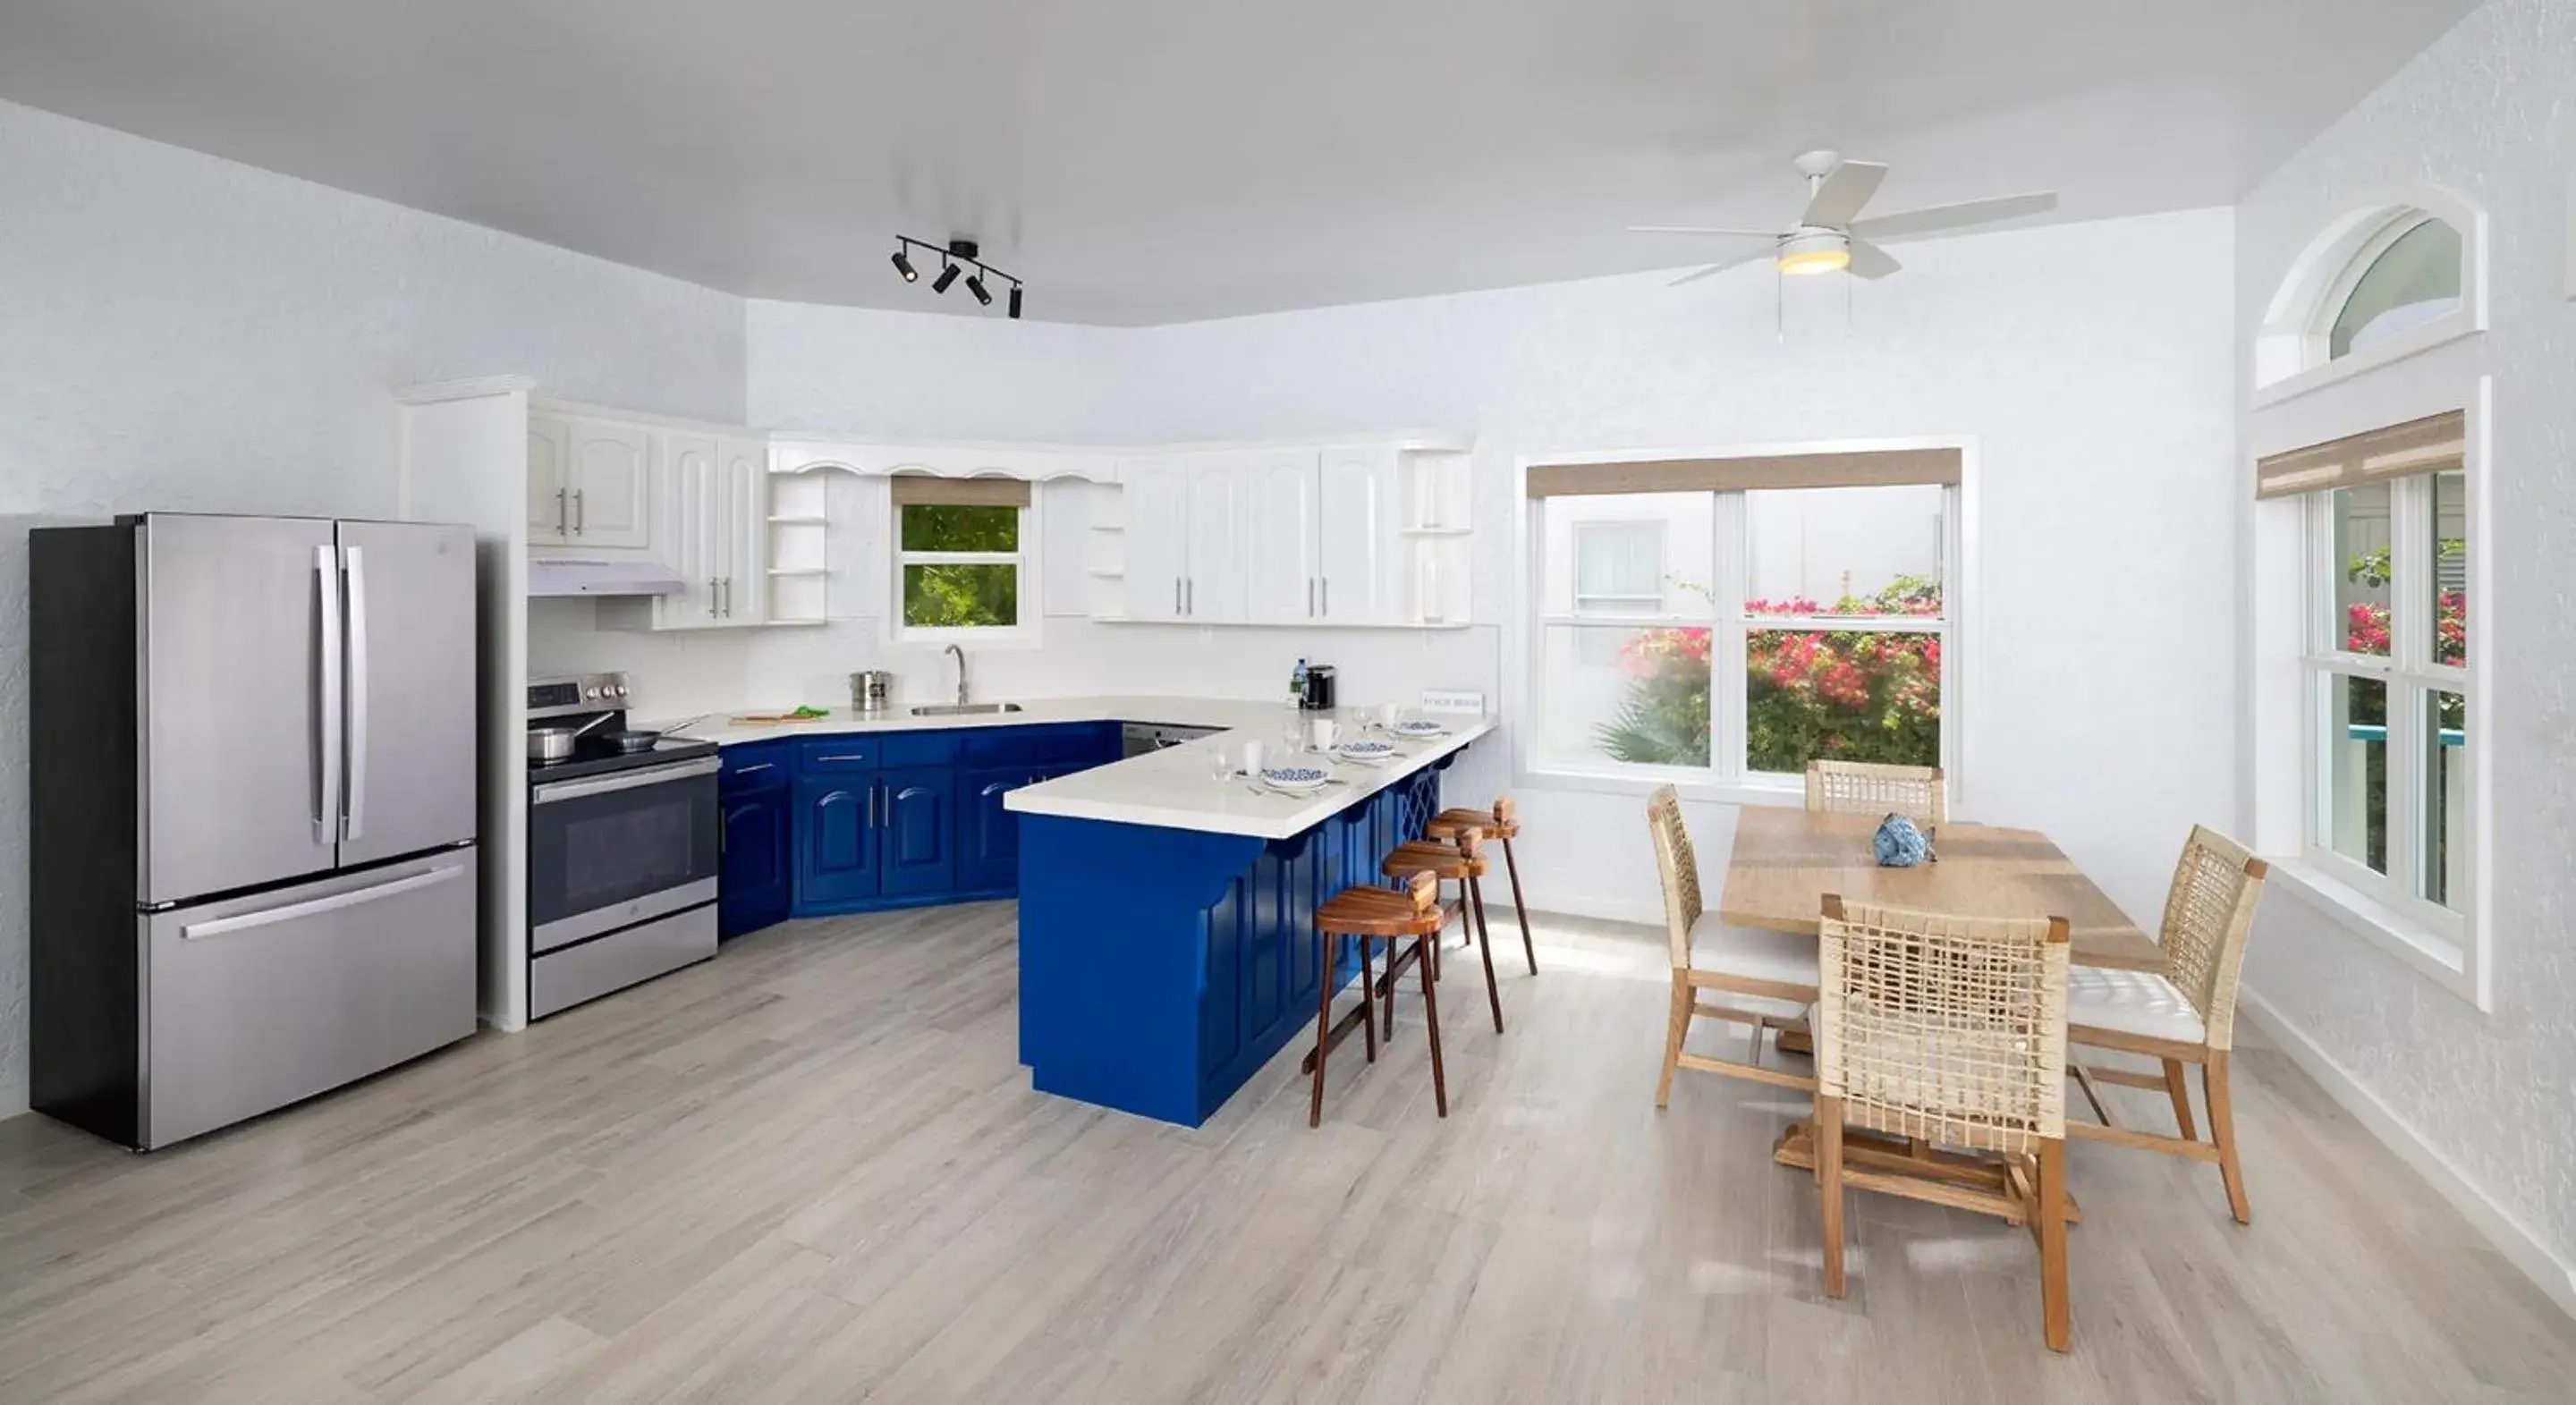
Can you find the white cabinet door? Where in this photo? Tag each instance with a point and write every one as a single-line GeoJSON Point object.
{"type": "Point", "coordinates": [1156, 502]}
{"type": "Point", "coordinates": [688, 542]}
{"type": "Point", "coordinates": [744, 488]}
{"type": "Point", "coordinates": [1358, 578]}
{"type": "Point", "coordinates": [1281, 585]}
{"type": "Point", "coordinates": [607, 468]}
{"type": "Point", "coordinates": [1217, 588]}
{"type": "Point", "coordinates": [549, 497]}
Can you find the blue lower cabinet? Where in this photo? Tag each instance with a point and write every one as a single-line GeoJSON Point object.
{"type": "Point", "coordinates": [835, 824]}
{"type": "Point", "coordinates": [753, 885]}
{"type": "Point", "coordinates": [920, 853]}
{"type": "Point", "coordinates": [988, 836]}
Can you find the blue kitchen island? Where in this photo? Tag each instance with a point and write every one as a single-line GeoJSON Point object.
{"type": "Point", "coordinates": [1167, 939]}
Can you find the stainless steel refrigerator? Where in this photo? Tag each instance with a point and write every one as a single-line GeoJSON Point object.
{"type": "Point", "coordinates": [252, 781]}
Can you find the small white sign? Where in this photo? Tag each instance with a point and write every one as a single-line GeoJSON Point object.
{"type": "Point", "coordinates": [1468, 701]}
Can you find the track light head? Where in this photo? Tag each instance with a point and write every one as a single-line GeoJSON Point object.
{"type": "Point", "coordinates": [975, 285]}
{"type": "Point", "coordinates": [903, 265]}
{"type": "Point", "coordinates": [1015, 302]}
{"type": "Point", "coordinates": [947, 275]}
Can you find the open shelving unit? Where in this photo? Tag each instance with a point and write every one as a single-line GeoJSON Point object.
{"type": "Point", "coordinates": [1436, 528]}
{"type": "Point", "coordinates": [800, 546]}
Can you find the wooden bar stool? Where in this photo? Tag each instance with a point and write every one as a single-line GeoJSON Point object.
{"type": "Point", "coordinates": [1370, 914]}
{"type": "Point", "coordinates": [1503, 823]}
{"type": "Point", "coordinates": [1460, 860]}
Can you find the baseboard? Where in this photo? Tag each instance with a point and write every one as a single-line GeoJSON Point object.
{"type": "Point", "coordinates": [13, 1097]}
{"type": "Point", "coordinates": [2554, 1276]}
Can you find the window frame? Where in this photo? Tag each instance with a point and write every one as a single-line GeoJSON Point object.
{"type": "Point", "coordinates": [1024, 561]}
{"type": "Point", "coordinates": [2411, 676]}
{"type": "Point", "coordinates": [2291, 344]}
{"type": "Point", "coordinates": [1728, 776]}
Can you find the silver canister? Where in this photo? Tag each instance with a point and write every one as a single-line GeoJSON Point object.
{"type": "Point", "coordinates": [872, 690]}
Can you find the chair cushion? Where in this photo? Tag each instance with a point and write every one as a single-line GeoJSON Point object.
{"type": "Point", "coordinates": [2131, 1002]}
{"type": "Point", "coordinates": [1755, 953]}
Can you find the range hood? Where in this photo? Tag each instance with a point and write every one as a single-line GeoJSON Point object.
{"type": "Point", "coordinates": [562, 575]}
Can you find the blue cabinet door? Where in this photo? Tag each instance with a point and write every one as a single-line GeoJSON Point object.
{"type": "Point", "coordinates": [752, 889]}
{"type": "Point", "coordinates": [836, 839]}
{"type": "Point", "coordinates": [988, 836]}
{"type": "Point", "coordinates": [920, 853]}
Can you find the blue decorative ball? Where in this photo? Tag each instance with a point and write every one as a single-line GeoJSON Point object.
{"type": "Point", "coordinates": [1900, 844]}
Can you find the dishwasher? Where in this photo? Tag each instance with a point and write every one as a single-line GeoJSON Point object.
{"type": "Point", "coordinates": [1140, 738]}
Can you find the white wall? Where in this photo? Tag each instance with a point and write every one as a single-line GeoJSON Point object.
{"type": "Point", "coordinates": [179, 332]}
{"type": "Point", "coordinates": [2090, 362]}
{"type": "Point", "coordinates": [2490, 112]}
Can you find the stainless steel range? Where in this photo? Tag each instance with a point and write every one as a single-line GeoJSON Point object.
{"type": "Point", "coordinates": [622, 847]}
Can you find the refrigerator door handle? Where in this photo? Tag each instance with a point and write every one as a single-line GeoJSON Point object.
{"type": "Point", "coordinates": [297, 912]}
{"type": "Point", "coordinates": [326, 800]}
{"type": "Point", "coordinates": [353, 813]}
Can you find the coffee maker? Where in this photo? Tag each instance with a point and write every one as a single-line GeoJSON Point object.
{"type": "Point", "coordinates": [1320, 688]}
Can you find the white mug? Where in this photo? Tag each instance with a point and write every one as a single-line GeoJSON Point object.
{"type": "Point", "coordinates": [1323, 731]}
{"type": "Point", "coordinates": [1252, 758]}
{"type": "Point", "coordinates": [1388, 714]}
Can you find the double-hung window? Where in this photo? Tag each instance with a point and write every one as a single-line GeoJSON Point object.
{"type": "Point", "coordinates": [961, 564]}
{"type": "Point", "coordinates": [2386, 661]}
{"type": "Point", "coordinates": [1733, 619]}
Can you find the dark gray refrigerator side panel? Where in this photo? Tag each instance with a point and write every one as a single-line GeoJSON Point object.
{"type": "Point", "coordinates": [84, 1020]}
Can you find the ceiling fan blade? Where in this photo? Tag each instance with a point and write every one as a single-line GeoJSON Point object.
{"type": "Point", "coordinates": [1843, 193]}
{"type": "Point", "coordinates": [1870, 261]}
{"type": "Point", "coordinates": [1935, 219]}
{"type": "Point", "coordinates": [1703, 229]}
{"type": "Point", "coordinates": [1716, 268]}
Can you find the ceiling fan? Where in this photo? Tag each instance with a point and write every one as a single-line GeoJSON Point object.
{"type": "Point", "coordinates": [1830, 238]}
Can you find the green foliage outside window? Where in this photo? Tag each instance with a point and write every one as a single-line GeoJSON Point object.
{"type": "Point", "coordinates": [961, 594]}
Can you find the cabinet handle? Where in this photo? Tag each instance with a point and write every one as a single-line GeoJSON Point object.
{"type": "Point", "coordinates": [579, 517]}
{"type": "Point", "coordinates": [1326, 582]}
{"type": "Point", "coordinates": [754, 766]}
{"type": "Point", "coordinates": [847, 756]}
{"type": "Point", "coordinates": [711, 597]}
{"type": "Point", "coordinates": [1310, 597]}
{"type": "Point", "coordinates": [1176, 595]}
{"type": "Point", "coordinates": [1193, 591]}
{"type": "Point", "coordinates": [728, 597]}
{"type": "Point", "coordinates": [560, 517]}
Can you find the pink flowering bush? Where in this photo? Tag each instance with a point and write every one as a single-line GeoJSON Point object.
{"type": "Point", "coordinates": [1809, 693]}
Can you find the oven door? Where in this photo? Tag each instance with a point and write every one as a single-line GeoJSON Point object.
{"type": "Point", "coordinates": [607, 852]}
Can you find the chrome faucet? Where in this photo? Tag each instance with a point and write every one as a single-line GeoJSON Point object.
{"type": "Point", "coordinates": [961, 673]}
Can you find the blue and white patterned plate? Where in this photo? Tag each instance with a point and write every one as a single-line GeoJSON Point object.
{"type": "Point", "coordinates": [1365, 750]}
{"type": "Point", "coordinates": [1295, 777]}
{"type": "Point", "coordinates": [1420, 727]}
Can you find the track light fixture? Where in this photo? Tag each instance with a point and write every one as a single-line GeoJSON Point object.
{"type": "Point", "coordinates": [955, 257]}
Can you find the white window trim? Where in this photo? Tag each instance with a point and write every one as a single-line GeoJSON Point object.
{"type": "Point", "coordinates": [1726, 780]}
{"type": "Point", "coordinates": [1025, 634]}
{"type": "Point", "coordinates": [2290, 353]}
{"type": "Point", "coordinates": [2452, 950]}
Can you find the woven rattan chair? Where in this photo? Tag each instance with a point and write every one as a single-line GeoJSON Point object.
{"type": "Point", "coordinates": [2185, 1014]}
{"type": "Point", "coordinates": [1869, 788]}
{"type": "Point", "coordinates": [1769, 978]}
{"type": "Point", "coordinates": [1949, 1031]}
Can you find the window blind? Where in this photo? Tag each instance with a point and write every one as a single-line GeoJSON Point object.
{"type": "Point", "coordinates": [2433, 444]}
{"type": "Point", "coordinates": [921, 489]}
{"type": "Point", "coordinates": [1873, 468]}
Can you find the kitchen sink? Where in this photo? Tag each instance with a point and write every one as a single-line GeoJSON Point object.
{"type": "Point", "coordinates": [966, 709]}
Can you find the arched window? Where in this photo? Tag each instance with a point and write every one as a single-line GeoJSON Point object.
{"type": "Point", "coordinates": [2406, 275]}
{"type": "Point", "coordinates": [2378, 284]}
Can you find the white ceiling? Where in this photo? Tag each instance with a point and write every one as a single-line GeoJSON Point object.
{"type": "Point", "coordinates": [1154, 162]}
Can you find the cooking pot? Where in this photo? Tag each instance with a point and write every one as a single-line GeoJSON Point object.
{"type": "Point", "coordinates": [554, 742]}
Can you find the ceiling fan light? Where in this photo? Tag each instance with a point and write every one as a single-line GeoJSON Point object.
{"type": "Point", "coordinates": [1808, 254]}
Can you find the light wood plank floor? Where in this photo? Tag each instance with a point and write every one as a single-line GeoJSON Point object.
{"type": "Point", "coordinates": [813, 1170]}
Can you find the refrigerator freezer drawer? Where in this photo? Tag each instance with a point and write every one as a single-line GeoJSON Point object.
{"type": "Point", "coordinates": [254, 1003]}
{"type": "Point", "coordinates": [562, 979]}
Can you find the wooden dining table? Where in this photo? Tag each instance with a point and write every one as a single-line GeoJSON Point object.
{"type": "Point", "coordinates": [1785, 861]}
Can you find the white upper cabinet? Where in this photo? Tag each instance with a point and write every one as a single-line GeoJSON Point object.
{"type": "Point", "coordinates": [744, 488]}
{"type": "Point", "coordinates": [1358, 576]}
{"type": "Point", "coordinates": [686, 537]}
{"type": "Point", "coordinates": [1218, 585]}
{"type": "Point", "coordinates": [1156, 503]}
{"type": "Point", "coordinates": [1283, 585]}
{"type": "Point", "coordinates": [588, 482]}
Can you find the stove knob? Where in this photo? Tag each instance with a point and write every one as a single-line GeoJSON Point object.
{"type": "Point", "coordinates": [617, 692]}
{"type": "Point", "coordinates": [592, 693]}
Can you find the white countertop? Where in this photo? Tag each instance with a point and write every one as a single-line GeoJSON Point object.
{"type": "Point", "coordinates": [1169, 788]}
